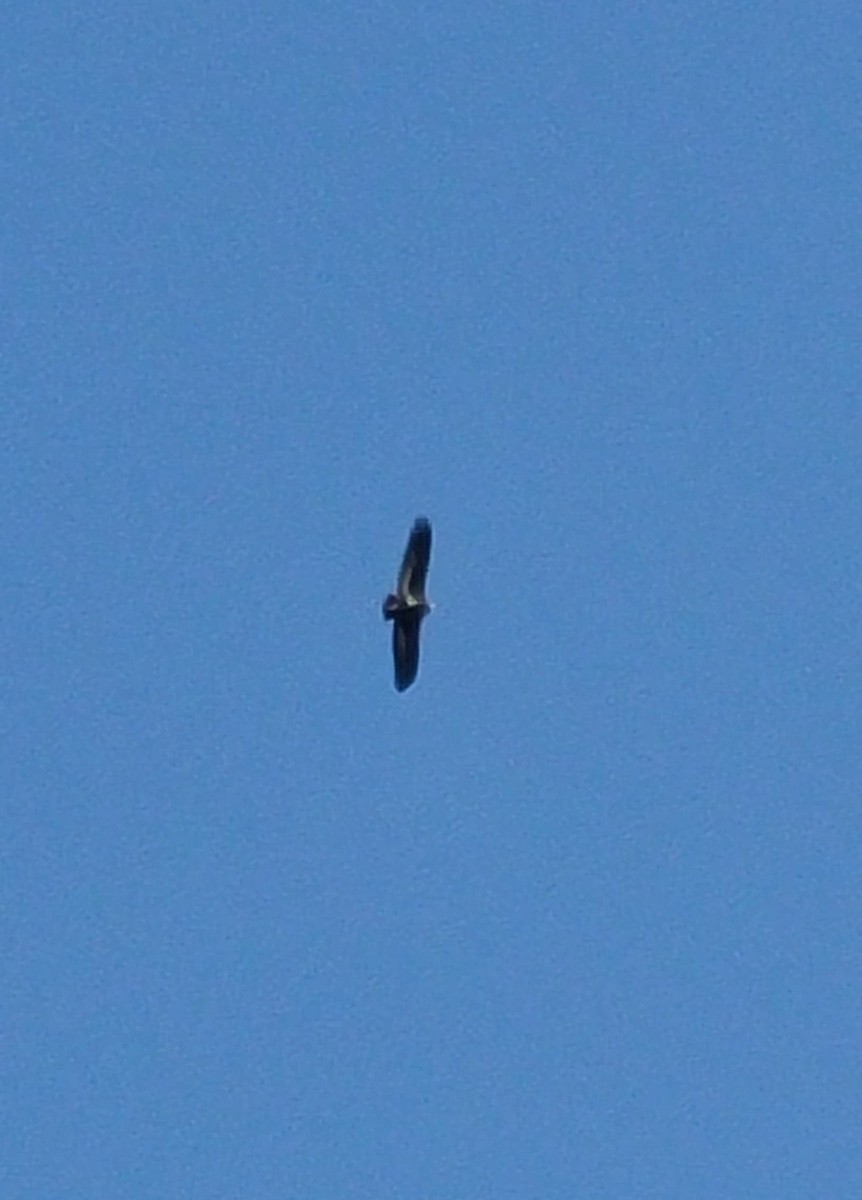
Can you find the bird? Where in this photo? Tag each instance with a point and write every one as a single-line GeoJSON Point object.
{"type": "Point", "coordinates": [407, 605]}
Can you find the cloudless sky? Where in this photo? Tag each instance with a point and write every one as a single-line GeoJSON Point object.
{"type": "Point", "coordinates": [577, 916]}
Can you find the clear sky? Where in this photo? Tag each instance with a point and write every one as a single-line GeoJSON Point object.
{"type": "Point", "coordinates": [577, 916]}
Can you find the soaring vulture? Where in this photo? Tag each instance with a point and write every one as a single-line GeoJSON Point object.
{"type": "Point", "coordinates": [407, 605]}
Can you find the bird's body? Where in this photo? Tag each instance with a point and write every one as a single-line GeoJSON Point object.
{"type": "Point", "coordinates": [407, 605]}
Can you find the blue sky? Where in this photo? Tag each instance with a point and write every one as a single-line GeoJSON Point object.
{"type": "Point", "coordinates": [578, 915]}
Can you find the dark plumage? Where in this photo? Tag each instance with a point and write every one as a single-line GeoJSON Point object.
{"type": "Point", "coordinates": [407, 605]}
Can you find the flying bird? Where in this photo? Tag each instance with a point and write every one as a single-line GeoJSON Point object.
{"type": "Point", "coordinates": [407, 605]}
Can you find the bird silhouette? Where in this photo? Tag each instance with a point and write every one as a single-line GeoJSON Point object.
{"type": "Point", "coordinates": [407, 605]}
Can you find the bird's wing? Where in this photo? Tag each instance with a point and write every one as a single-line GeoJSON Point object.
{"type": "Point", "coordinates": [405, 649]}
{"type": "Point", "coordinates": [414, 566]}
